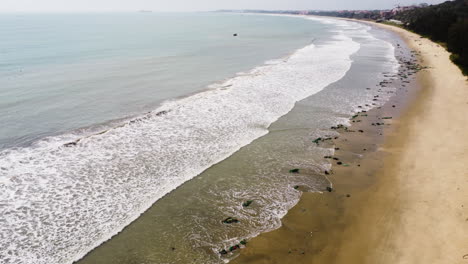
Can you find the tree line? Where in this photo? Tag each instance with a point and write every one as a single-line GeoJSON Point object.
{"type": "Point", "coordinates": [446, 23]}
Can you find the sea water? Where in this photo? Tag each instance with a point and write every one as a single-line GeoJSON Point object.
{"type": "Point", "coordinates": [106, 114]}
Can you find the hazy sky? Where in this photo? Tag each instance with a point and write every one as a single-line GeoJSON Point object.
{"type": "Point", "coordinates": [194, 5]}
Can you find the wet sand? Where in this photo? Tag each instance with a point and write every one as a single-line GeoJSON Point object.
{"type": "Point", "coordinates": [404, 196]}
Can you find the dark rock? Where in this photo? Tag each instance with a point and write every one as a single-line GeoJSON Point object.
{"type": "Point", "coordinates": [348, 195]}
{"type": "Point", "coordinates": [230, 220]}
{"type": "Point", "coordinates": [296, 187]}
{"type": "Point", "coordinates": [362, 131]}
{"type": "Point", "coordinates": [329, 189]}
{"type": "Point", "coordinates": [294, 171]}
{"type": "Point", "coordinates": [235, 34]}
{"type": "Point", "coordinates": [327, 173]}
{"type": "Point", "coordinates": [339, 163]}
{"type": "Point", "coordinates": [247, 203]}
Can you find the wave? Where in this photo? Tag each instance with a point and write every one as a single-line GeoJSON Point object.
{"type": "Point", "coordinates": [66, 195]}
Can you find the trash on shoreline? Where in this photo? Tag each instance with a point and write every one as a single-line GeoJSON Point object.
{"type": "Point", "coordinates": [235, 247]}
{"type": "Point", "coordinates": [294, 171]}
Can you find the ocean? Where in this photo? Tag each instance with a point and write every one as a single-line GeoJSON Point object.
{"type": "Point", "coordinates": [106, 116]}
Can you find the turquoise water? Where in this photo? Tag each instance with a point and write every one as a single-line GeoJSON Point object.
{"type": "Point", "coordinates": [60, 72]}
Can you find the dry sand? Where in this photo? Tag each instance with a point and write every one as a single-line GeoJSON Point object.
{"type": "Point", "coordinates": [408, 197]}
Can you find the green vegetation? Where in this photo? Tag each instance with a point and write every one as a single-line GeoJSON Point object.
{"type": "Point", "coordinates": [446, 23]}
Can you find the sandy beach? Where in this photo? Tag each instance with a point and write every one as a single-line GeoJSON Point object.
{"type": "Point", "coordinates": [404, 197]}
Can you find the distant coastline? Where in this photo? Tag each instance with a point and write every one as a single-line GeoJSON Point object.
{"type": "Point", "coordinates": [451, 18]}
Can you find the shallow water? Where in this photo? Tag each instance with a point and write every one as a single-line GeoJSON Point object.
{"type": "Point", "coordinates": [186, 225]}
{"type": "Point", "coordinates": [68, 198]}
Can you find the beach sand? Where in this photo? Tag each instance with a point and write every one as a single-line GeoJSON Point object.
{"type": "Point", "coordinates": [404, 197]}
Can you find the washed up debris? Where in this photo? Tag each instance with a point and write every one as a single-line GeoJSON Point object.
{"type": "Point", "coordinates": [235, 247]}
{"type": "Point", "coordinates": [247, 203]}
{"type": "Point", "coordinates": [318, 140]}
{"type": "Point", "coordinates": [235, 34]}
{"type": "Point", "coordinates": [338, 126]}
{"type": "Point", "coordinates": [71, 144]}
{"type": "Point", "coordinates": [335, 158]}
{"type": "Point", "coordinates": [296, 187]}
{"type": "Point", "coordinates": [328, 157]}
{"type": "Point", "coordinates": [339, 163]}
{"type": "Point", "coordinates": [164, 112]}
{"type": "Point", "coordinates": [329, 189]}
{"type": "Point", "coordinates": [294, 171]}
{"type": "Point", "coordinates": [348, 195]}
{"type": "Point", "coordinates": [354, 116]}
{"type": "Point", "coordinates": [327, 173]}
{"type": "Point", "coordinates": [387, 117]}
{"type": "Point", "coordinates": [362, 131]}
{"type": "Point", "coordinates": [230, 220]}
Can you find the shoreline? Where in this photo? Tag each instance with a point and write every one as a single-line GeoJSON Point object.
{"type": "Point", "coordinates": [125, 233]}
{"type": "Point", "coordinates": [143, 223]}
{"type": "Point", "coordinates": [376, 205]}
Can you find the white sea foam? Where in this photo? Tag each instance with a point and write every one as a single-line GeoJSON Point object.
{"type": "Point", "coordinates": [57, 202]}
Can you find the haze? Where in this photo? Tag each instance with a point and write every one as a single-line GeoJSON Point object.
{"type": "Point", "coordinates": [192, 5]}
